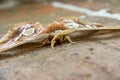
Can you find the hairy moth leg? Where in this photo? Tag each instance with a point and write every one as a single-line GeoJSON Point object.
{"type": "Point", "coordinates": [60, 37]}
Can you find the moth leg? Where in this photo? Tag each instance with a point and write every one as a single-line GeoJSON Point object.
{"type": "Point", "coordinates": [62, 36]}
{"type": "Point", "coordinates": [45, 42]}
{"type": "Point", "coordinates": [69, 39]}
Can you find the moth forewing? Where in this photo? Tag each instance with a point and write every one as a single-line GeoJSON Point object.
{"type": "Point", "coordinates": [99, 28]}
{"type": "Point", "coordinates": [22, 33]}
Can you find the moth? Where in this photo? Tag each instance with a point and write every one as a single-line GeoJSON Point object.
{"type": "Point", "coordinates": [30, 32]}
